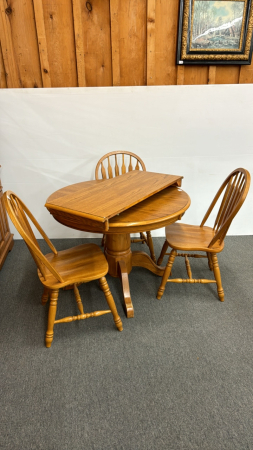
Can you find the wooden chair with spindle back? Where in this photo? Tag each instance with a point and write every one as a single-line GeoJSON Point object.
{"type": "Point", "coordinates": [57, 270]}
{"type": "Point", "coordinates": [201, 238]}
{"type": "Point", "coordinates": [118, 163]}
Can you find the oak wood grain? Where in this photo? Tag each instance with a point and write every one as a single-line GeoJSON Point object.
{"type": "Point", "coordinates": [57, 270]}
{"type": "Point", "coordinates": [114, 164]}
{"type": "Point", "coordinates": [97, 199]}
{"type": "Point", "coordinates": [210, 240]}
{"type": "Point", "coordinates": [117, 163]}
{"type": "Point", "coordinates": [158, 210]}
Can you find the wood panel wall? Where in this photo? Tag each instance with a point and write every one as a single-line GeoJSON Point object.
{"type": "Point", "coordinates": [63, 43]}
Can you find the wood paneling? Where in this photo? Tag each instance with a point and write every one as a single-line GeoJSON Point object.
{"type": "Point", "coordinates": [42, 43]}
{"type": "Point", "coordinates": [63, 43]}
{"type": "Point", "coordinates": [166, 41]}
{"type": "Point", "coordinates": [114, 10]}
{"type": "Point", "coordinates": [246, 74]}
{"type": "Point", "coordinates": [93, 42]}
{"type": "Point", "coordinates": [25, 44]}
{"type": "Point", "coordinates": [10, 61]}
{"type": "Point", "coordinates": [151, 41]}
{"type": "Point", "coordinates": [211, 75]}
{"type": "Point", "coordinates": [227, 74]}
{"type": "Point", "coordinates": [80, 56]}
{"type": "Point", "coordinates": [196, 75]}
{"type": "Point", "coordinates": [3, 83]}
{"type": "Point", "coordinates": [132, 20]}
{"type": "Point", "coordinates": [96, 35]}
{"type": "Point", "coordinates": [59, 27]}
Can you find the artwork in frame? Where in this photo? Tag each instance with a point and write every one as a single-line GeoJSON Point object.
{"type": "Point", "coordinates": [215, 32]}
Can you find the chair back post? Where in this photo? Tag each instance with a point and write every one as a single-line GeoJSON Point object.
{"type": "Point", "coordinates": [235, 187]}
{"type": "Point", "coordinates": [135, 163]}
{"type": "Point", "coordinates": [19, 214]}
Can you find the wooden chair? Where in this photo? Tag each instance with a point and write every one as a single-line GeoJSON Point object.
{"type": "Point", "coordinates": [57, 270]}
{"type": "Point", "coordinates": [184, 237]}
{"type": "Point", "coordinates": [118, 163]}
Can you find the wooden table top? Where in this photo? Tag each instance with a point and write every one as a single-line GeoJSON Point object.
{"type": "Point", "coordinates": [155, 212]}
{"type": "Point", "coordinates": [99, 200]}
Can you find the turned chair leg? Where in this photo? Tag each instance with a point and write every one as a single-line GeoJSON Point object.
{"type": "Point", "coordinates": [45, 296]}
{"type": "Point", "coordinates": [109, 298]}
{"type": "Point", "coordinates": [210, 263]}
{"type": "Point", "coordinates": [216, 271]}
{"type": "Point", "coordinates": [166, 274]}
{"type": "Point", "coordinates": [78, 299]}
{"type": "Point", "coordinates": [151, 246]}
{"type": "Point", "coordinates": [143, 237]}
{"type": "Point", "coordinates": [51, 317]}
{"type": "Point", "coordinates": [163, 251]}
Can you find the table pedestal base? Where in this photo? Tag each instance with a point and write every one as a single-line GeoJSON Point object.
{"type": "Point", "coordinates": [121, 260]}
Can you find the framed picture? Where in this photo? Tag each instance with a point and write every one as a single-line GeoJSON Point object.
{"type": "Point", "coordinates": [215, 32]}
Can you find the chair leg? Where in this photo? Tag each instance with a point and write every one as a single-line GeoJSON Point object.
{"type": "Point", "coordinates": [151, 246]}
{"type": "Point", "coordinates": [163, 251]}
{"type": "Point", "coordinates": [51, 317]}
{"type": "Point", "coordinates": [210, 263]}
{"type": "Point", "coordinates": [45, 295]}
{"type": "Point", "coordinates": [78, 299]}
{"type": "Point", "coordinates": [109, 298]}
{"type": "Point", "coordinates": [216, 271]}
{"type": "Point", "coordinates": [103, 241]}
{"type": "Point", "coordinates": [143, 237]}
{"type": "Point", "coordinates": [166, 274]}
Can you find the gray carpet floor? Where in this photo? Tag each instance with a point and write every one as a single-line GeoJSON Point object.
{"type": "Point", "coordinates": [179, 376]}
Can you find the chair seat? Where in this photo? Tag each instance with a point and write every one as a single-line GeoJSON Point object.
{"type": "Point", "coordinates": [82, 263]}
{"type": "Point", "coordinates": [185, 237]}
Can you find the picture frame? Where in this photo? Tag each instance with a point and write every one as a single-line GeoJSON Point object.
{"type": "Point", "coordinates": [215, 32]}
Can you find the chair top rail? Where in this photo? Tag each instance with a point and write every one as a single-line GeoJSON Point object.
{"type": "Point", "coordinates": [14, 204]}
{"type": "Point", "coordinates": [235, 188]}
{"type": "Point", "coordinates": [128, 161]}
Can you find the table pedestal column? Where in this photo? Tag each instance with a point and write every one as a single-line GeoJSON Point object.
{"type": "Point", "coordinates": [121, 260]}
{"type": "Point", "coordinates": [119, 256]}
{"type": "Point", "coordinates": [118, 248]}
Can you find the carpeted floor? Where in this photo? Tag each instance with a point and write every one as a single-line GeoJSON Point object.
{"type": "Point", "coordinates": [179, 376]}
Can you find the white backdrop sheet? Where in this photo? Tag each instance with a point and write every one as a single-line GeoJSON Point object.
{"type": "Point", "coordinates": [51, 138]}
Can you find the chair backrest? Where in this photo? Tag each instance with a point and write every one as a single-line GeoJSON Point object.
{"type": "Point", "coordinates": [235, 188]}
{"type": "Point", "coordinates": [20, 215]}
{"type": "Point", "coordinates": [118, 163]}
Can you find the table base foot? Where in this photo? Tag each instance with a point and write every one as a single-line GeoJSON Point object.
{"type": "Point", "coordinates": [142, 259]}
{"type": "Point", "coordinates": [123, 273]}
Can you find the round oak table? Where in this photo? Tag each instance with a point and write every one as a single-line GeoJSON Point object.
{"type": "Point", "coordinates": [157, 211]}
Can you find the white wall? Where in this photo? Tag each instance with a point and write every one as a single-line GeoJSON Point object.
{"type": "Point", "coordinates": [53, 137]}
